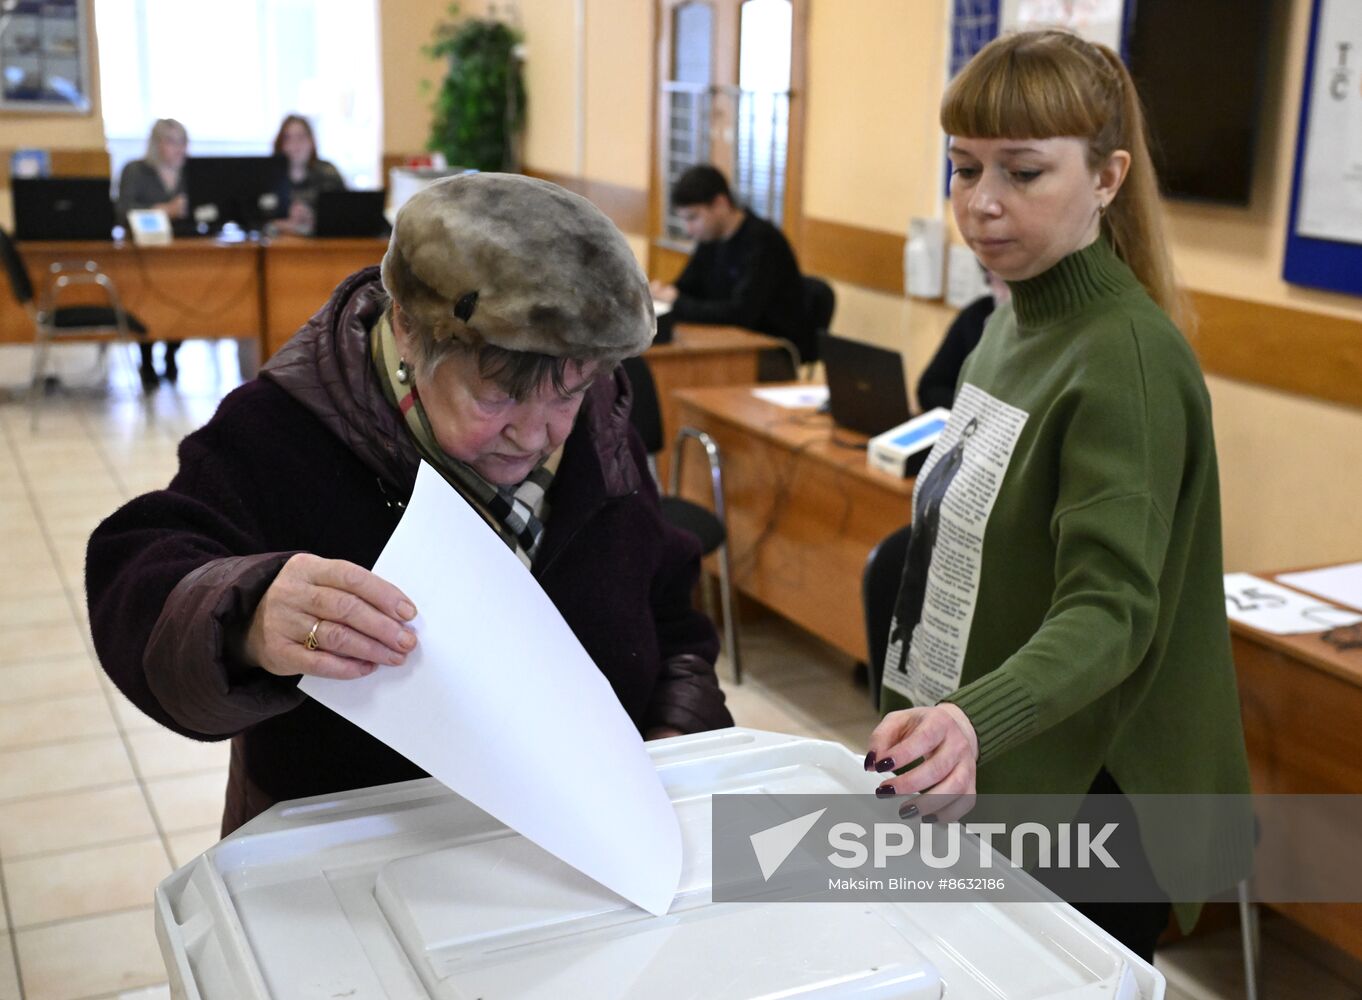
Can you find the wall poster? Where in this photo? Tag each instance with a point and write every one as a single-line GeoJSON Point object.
{"type": "Point", "coordinates": [1331, 177]}
{"type": "Point", "coordinates": [44, 59]}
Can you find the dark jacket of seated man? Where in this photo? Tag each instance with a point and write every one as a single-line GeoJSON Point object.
{"type": "Point", "coordinates": [743, 271]}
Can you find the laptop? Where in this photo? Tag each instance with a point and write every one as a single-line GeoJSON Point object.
{"type": "Point", "coordinates": [350, 213]}
{"type": "Point", "coordinates": [866, 388]}
{"type": "Point", "coordinates": [62, 208]}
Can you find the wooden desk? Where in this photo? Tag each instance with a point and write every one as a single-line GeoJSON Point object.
{"type": "Point", "coordinates": [190, 289]}
{"type": "Point", "coordinates": [701, 356]}
{"type": "Point", "coordinates": [803, 511]}
{"type": "Point", "coordinates": [1302, 706]}
{"type": "Point", "coordinates": [298, 275]}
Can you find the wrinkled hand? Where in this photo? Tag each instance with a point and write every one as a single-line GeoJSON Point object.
{"type": "Point", "coordinates": [943, 740]}
{"type": "Point", "coordinates": [663, 292]}
{"type": "Point", "coordinates": [362, 621]}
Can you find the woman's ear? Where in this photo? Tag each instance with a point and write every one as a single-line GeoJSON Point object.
{"type": "Point", "coordinates": [400, 334]}
{"type": "Point", "coordinates": [1112, 175]}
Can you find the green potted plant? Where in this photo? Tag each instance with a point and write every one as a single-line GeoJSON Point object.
{"type": "Point", "coordinates": [480, 106]}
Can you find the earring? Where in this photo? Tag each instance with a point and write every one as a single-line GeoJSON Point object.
{"type": "Point", "coordinates": [403, 372]}
{"type": "Point", "coordinates": [1102, 209]}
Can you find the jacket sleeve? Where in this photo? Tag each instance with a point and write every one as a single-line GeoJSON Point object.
{"type": "Point", "coordinates": [687, 695]}
{"type": "Point", "coordinates": [172, 575]}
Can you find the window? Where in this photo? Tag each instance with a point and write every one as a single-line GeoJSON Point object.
{"type": "Point", "coordinates": [232, 70]}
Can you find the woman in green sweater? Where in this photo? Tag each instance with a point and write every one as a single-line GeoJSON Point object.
{"type": "Point", "coordinates": [1061, 626]}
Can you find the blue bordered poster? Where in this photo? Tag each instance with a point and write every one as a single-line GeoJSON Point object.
{"type": "Point", "coordinates": [1331, 175]}
{"type": "Point", "coordinates": [1333, 65]}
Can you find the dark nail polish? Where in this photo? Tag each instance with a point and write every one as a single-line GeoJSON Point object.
{"type": "Point", "coordinates": [884, 791]}
{"type": "Point", "coordinates": [870, 760]}
{"type": "Point", "coordinates": [885, 765]}
{"type": "Point", "coordinates": [908, 811]}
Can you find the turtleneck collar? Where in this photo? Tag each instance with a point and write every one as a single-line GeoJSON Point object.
{"type": "Point", "coordinates": [1083, 277]}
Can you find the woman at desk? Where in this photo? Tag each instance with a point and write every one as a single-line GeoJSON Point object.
{"type": "Point", "coordinates": [308, 175]}
{"type": "Point", "coordinates": [481, 348]}
{"type": "Point", "coordinates": [157, 181]}
{"type": "Point", "coordinates": [1065, 631]}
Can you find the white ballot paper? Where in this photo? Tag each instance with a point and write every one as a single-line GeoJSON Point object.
{"type": "Point", "coordinates": [794, 397]}
{"type": "Point", "coordinates": [501, 703]}
{"type": "Point", "coordinates": [1260, 604]}
{"type": "Point", "coordinates": [1342, 584]}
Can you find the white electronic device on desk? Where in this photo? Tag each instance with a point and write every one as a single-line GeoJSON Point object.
{"type": "Point", "coordinates": [902, 450]}
{"type": "Point", "coordinates": [149, 226]}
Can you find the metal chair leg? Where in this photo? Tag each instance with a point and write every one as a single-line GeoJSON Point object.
{"type": "Point", "coordinates": [1248, 930]}
{"type": "Point", "coordinates": [730, 620]}
{"type": "Point", "coordinates": [37, 387]}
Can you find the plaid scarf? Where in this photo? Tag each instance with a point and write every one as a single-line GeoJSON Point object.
{"type": "Point", "coordinates": [517, 515]}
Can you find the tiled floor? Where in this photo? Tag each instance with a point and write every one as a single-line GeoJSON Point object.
{"type": "Point", "coordinates": [98, 803]}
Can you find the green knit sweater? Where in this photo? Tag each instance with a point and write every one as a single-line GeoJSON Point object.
{"type": "Point", "coordinates": [1074, 606]}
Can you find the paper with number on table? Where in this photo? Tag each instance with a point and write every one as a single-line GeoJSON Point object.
{"type": "Point", "coordinates": [1342, 584]}
{"type": "Point", "coordinates": [794, 397]}
{"type": "Point", "coordinates": [1263, 605]}
{"type": "Point", "coordinates": [501, 703]}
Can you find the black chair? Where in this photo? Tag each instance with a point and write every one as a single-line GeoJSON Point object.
{"type": "Point", "coordinates": [879, 590]}
{"type": "Point", "coordinates": [820, 302]}
{"type": "Point", "coordinates": [52, 322]}
{"type": "Point", "coordinates": [706, 525]}
{"type": "Point", "coordinates": [795, 359]}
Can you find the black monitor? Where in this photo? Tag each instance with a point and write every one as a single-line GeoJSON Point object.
{"type": "Point", "coordinates": [1199, 67]}
{"type": "Point", "coordinates": [866, 388]}
{"type": "Point", "coordinates": [247, 190]}
{"type": "Point", "coordinates": [350, 213]}
{"type": "Point", "coordinates": [62, 208]}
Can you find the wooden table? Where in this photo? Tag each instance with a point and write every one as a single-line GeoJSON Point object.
{"type": "Point", "coordinates": [192, 288]}
{"type": "Point", "coordinates": [1302, 706]}
{"type": "Point", "coordinates": [804, 510]}
{"type": "Point", "coordinates": [701, 356]}
{"type": "Point", "coordinates": [298, 275]}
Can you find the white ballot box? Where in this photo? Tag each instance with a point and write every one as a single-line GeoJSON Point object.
{"type": "Point", "coordinates": [409, 892]}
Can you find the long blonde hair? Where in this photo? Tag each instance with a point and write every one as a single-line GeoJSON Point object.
{"type": "Point", "coordinates": [1047, 83]}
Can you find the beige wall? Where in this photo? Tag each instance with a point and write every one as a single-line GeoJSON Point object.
{"type": "Point", "coordinates": [408, 76]}
{"type": "Point", "coordinates": [551, 83]}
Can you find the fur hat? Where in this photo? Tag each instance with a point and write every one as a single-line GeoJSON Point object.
{"type": "Point", "coordinates": [520, 264]}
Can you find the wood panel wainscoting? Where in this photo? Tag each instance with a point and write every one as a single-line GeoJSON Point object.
{"type": "Point", "coordinates": [626, 207]}
{"type": "Point", "coordinates": [1300, 351]}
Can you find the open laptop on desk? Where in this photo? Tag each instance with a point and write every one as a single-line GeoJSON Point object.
{"type": "Point", "coordinates": [866, 388]}
{"type": "Point", "coordinates": [62, 208]}
{"type": "Point", "coordinates": [350, 213]}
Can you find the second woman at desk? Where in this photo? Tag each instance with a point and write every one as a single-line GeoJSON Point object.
{"type": "Point", "coordinates": [308, 175]}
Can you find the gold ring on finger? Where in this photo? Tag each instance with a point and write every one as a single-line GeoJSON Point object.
{"type": "Point", "coordinates": [311, 641]}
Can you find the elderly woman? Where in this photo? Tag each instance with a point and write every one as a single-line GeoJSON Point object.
{"type": "Point", "coordinates": [487, 346]}
{"type": "Point", "coordinates": [157, 181]}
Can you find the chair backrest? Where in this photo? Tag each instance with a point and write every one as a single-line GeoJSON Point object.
{"type": "Point", "coordinates": [645, 413]}
{"type": "Point", "coordinates": [879, 590]}
{"type": "Point", "coordinates": [820, 302]}
{"type": "Point", "coordinates": [14, 269]}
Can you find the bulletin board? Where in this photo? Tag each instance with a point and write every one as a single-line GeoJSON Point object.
{"type": "Point", "coordinates": [44, 56]}
{"type": "Point", "coordinates": [1324, 232]}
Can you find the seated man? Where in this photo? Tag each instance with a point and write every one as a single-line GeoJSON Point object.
{"type": "Point", "coordinates": [743, 271]}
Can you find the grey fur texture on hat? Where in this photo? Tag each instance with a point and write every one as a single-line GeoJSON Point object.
{"type": "Point", "coordinates": [521, 264]}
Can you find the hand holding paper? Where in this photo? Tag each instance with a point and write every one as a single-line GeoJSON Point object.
{"type": "Point", "coordinates": [498, 679]}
